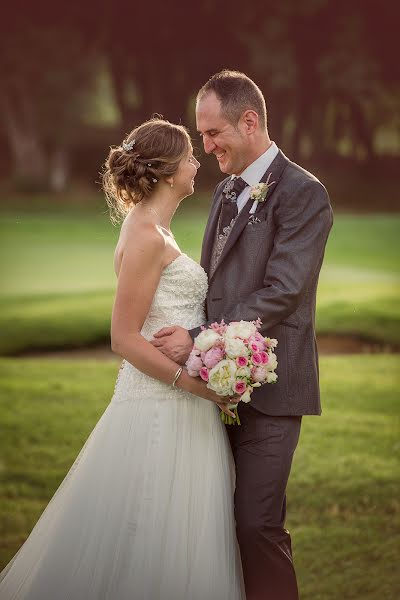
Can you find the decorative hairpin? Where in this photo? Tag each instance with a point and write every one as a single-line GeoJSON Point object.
{"type": "Point", "coordinates": [128, 145]}
{"type": "Point", "coordinates": [154, 180]}
{"type": "Point", "coordinates": [149, 164]}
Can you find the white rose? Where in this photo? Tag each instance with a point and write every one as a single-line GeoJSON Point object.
{"type": "Point", "coordinates": [271, 342]}
{"type": "Point", "coordinates": [235, 347]}
{"type": "Point", "coordinates": [222, 377]}
{"type": "Point", "coordinates": [241, 329]}
{"type": "Point", "coordinates": [271, 377]}
{"type": "Point", "coordinates": [272, 362]}
{"type": "Point", "coordinates": [243, 372]}
{"type": "Point", "coordinates": [246, 397]}
{"type": "Point", "coordinates": [206, 339]}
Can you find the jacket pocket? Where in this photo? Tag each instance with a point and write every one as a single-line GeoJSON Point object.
{"type": "Point", "coordinates": [258, 227]}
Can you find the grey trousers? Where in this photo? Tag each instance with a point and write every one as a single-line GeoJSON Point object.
{"type": "Point", "coordinates": [263, 448]}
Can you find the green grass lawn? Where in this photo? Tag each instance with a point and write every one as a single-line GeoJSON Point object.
{"type": "Point", "coordinates": [58, 281]}
{"type": "Point", "coordinates": [360, 280]}
{"type": "Point", "coordinates": [343, 506]}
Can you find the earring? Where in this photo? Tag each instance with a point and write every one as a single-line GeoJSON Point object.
{"type": "Point", "coordinates": [172, 185]}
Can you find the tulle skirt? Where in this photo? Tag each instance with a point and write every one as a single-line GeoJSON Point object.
{"type": "Point", "coordinates": [145, 512]}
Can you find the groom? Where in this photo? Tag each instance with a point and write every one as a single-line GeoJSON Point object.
{"type": "Point", "coordinates": [263, 260]}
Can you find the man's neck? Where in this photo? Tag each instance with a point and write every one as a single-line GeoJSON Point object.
{"type": "Point", "coordinates": [258, 151]}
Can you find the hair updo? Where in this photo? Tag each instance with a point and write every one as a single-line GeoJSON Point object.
{"type": "Point", "coordinates": [152, 151]}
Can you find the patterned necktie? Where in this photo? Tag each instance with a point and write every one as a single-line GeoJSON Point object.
{"type": "Point", "coordinates": [229, 209]}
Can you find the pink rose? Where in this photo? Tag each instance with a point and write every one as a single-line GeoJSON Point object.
{"type": "Point", "coordinates": [241, 361]}
{"type": "Point", "coordinates": [256, 359]}
{"type": "Point", "coordinates": [213, 356]}
{"type": "Point", "coordinates": [257, 342]}
{"type": "Point", "coordinates": [240, 387]}
{"type": "Point", "coordinates": [264, 358]}
{"type": "Point", "coordinates": [204, 373]}
{"type": "Point", "coordinates": [256, 345]}
{"type": "Point", "coordinates": [259, 374]}
{"type": "Point", "coordinates": [194, 364]}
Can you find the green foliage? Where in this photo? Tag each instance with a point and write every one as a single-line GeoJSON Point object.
{"type": "Point", "coordinates": [343, 509]}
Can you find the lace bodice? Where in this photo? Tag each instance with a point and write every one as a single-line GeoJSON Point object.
{"type": "Point", "coordinates": [179, 300]}
{"type": "Point", "coordinates": [180, 296]}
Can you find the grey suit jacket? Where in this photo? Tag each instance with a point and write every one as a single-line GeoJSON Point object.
{"type": "Point", "coordinates": [270, 269]}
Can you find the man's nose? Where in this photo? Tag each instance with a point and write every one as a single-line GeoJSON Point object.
{"type": "Point", "coordinates": [209, 145]}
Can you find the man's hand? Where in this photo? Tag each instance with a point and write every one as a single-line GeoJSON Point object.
{"type": "Point", "coordinates": [175, 342]}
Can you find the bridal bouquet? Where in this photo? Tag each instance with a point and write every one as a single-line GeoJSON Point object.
{"type": "Point", "coordinates": [233, 359]}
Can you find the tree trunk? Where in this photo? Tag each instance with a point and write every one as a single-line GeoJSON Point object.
{"type": "Point", "coordinates": [363, 132]}
{"type": "Point", "coordinates": [59, 170]}
{"type": "Point", "coordinates": [29, 157]}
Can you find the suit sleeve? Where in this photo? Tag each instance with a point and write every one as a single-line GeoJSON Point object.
{"type": "Point", "coordinates": [303, 223]}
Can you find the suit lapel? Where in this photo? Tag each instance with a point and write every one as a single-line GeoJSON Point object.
{"type": "Point", "coordinates": [211, 228]}
{"type": "Point", "coordinates": [276, 169]}
{"type": "Point", "coordinates": [237, 229]}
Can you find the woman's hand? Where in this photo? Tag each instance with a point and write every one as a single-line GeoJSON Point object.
{"type": "Point", "coordinates": [224, 402]}
{"type": "Point", "coordinates": [225, 407]}
{"type": "Point", "coordinates": [198, 387]}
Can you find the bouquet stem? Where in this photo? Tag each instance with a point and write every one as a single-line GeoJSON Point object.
{"type": "Point", "coordinates": [228, 420]}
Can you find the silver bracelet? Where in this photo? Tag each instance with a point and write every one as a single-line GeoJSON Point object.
{"type": "Point", "coordinates": [177, 375]}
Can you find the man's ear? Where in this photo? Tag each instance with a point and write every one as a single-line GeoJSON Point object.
{"type": "Point", "coordinates": [250, 120]}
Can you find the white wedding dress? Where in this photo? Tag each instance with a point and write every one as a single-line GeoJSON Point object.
{"type": "Point", "coordinates": [146, 510]}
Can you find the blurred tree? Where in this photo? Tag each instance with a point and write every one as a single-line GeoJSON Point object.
{"type": "Point", "coordinates": [159, 56]}
{"type": "Point", "coordinates": [46, 66]}
{"type": "Point", "coordinates": [329, 72]}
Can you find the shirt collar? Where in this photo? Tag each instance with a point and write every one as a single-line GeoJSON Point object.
{"type": "Point", "coordinates": [253, 173]}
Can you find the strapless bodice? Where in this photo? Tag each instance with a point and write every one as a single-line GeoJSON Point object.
{"type": "Point", "coordinates": [180, 296]}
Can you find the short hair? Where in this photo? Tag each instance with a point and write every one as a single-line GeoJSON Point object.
{"type": "Point", "coordinates": [237, 93]}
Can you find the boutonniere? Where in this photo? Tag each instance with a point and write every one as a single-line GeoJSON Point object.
{"type": "Point", "coordinates": [259, 193]}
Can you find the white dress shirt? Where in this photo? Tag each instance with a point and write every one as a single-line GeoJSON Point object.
{"type": "Point", "coordinates": [253, 173]}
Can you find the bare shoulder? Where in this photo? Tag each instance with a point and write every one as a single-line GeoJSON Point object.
{"type": "Point", "coordinates": [141, 244]}
{"type": "Point", "coordinates": [144, 238]}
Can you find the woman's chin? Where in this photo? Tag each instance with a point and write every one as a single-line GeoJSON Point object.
{"type": "Point", "coordinates": [189, 192]}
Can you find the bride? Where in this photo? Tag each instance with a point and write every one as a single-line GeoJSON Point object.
{"type": "Point", "coordinates": [146, 510]}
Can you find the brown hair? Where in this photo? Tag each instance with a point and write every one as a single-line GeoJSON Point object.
{"type": "Point", "coordinates": [237, 93]}
{"type": "Point", "coordinates": [152, 151]}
